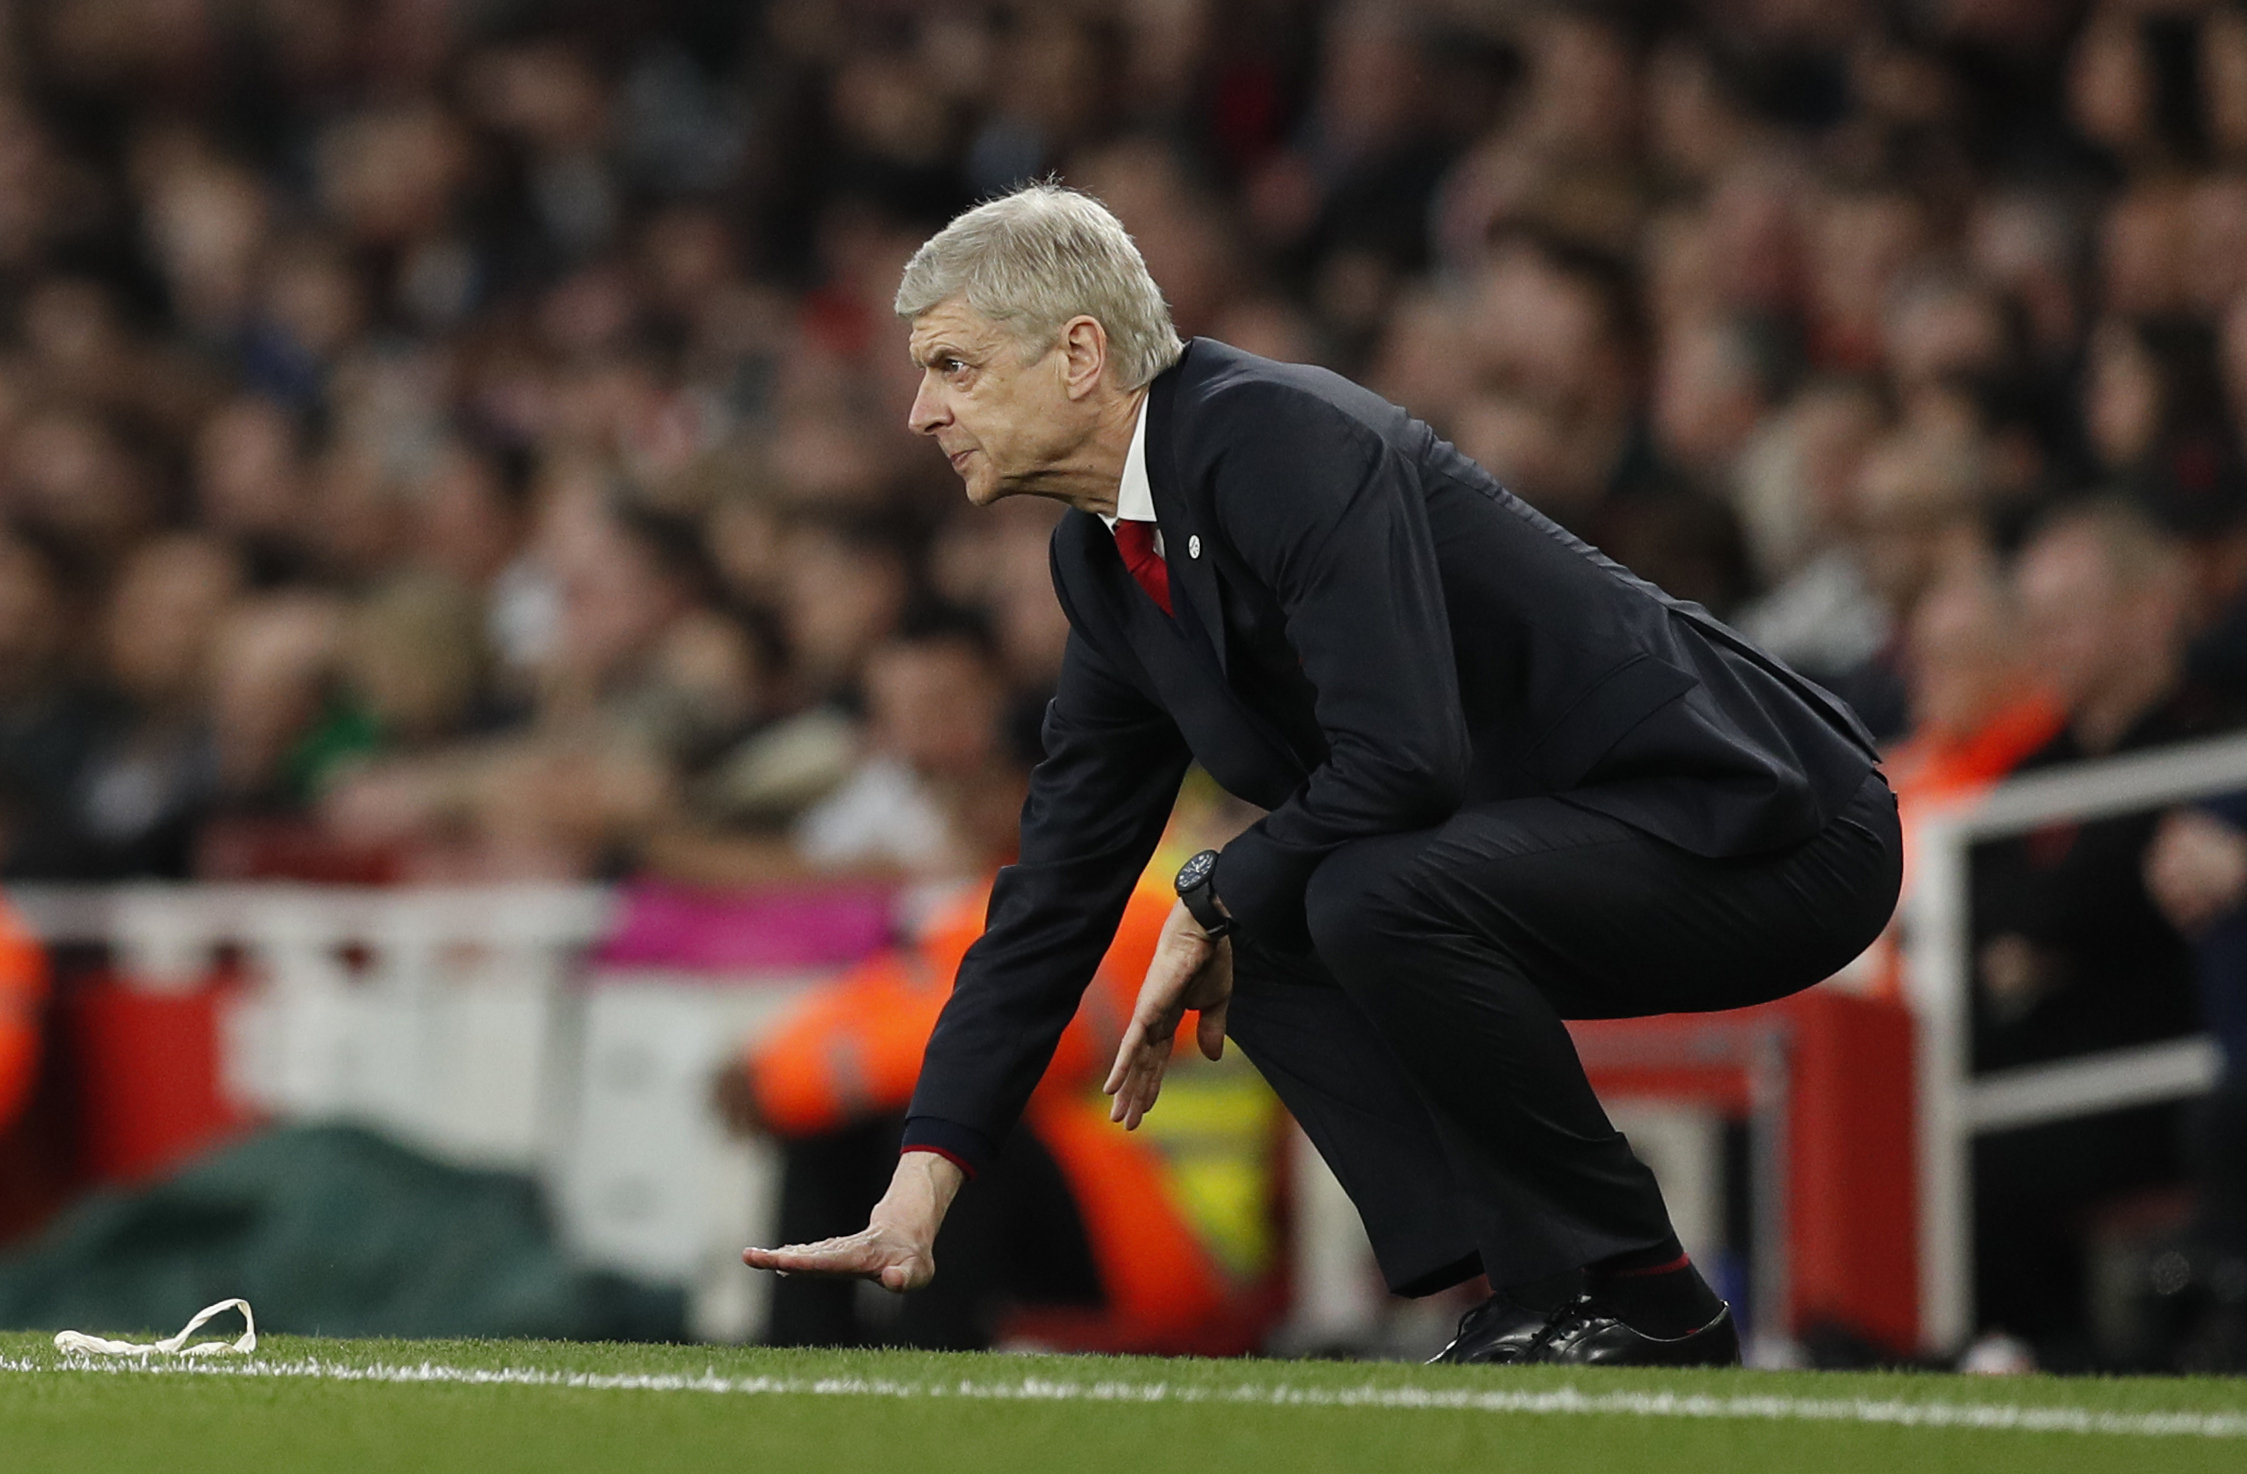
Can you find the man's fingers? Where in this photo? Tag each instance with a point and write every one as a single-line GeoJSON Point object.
{"type": "Point", "coordinates": [1141, 1038]}
{"type": "Point", "coordinates": [854, 1256]}
{"type": "Point", "coordinates": [1149, 1032]}
{"type": "Point", "coordinates": [801, 1261]}
{"type": "Point", "coordinates": [862, 1261]}
{"type": "Point", "coordinates": [1184, 971]}
{"type": "Point", "coordinates": [1124, 1054]}
{"type": "Point", "coordinates": [1209, 1031]}
{"type": "Point", "coordinates": [1141, 1083]}
{"type": "Point", "coordinates": [1141, 1101]}
{"type": "Point", "coordinates": [1121, 1090]}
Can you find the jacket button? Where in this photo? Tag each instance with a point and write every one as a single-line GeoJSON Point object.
{"type": "Point", "coordinates": [1193, 545]}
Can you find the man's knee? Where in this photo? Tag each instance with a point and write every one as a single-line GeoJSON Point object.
{"type": "Point", "coordinates": [1359, 903]}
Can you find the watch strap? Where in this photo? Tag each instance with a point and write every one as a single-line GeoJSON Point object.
{"type": "Point", "coordinates": [1200, 899]}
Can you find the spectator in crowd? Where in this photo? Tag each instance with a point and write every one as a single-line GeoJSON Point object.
{"type": "Point", "coordinates": [2071, 953]}
{"type": "Point", "coordinates": [2196, 871]}
{"type": "Point", "coordinates": [930, 791]}
{"type": "Point", "coordinates": [2155, 416]}
{"type": "Point", "coordinates": [1978, 709]}
{"type": "Point", "coordinates": [249, 488]}
{"type": "Point", "coordinates": [933, 700]}
{"type": "Point", "coordinates": [1558, 343]}
{"type": "Point", "coordinates": [49, 718]}
{"type": "Point", "coordinates": [1796, 499]}
{"type": "Point", "coordinates": [1916, 504]}
{"type": "Point", "coordinates": [152, 779]}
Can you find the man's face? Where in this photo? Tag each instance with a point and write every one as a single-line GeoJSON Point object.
{"type": "Point", "coordinates": [2071, 602]}
{"type": "Point", "coordinates": [31, 620]}
{"type": "Point", "coordinates": [934, 704]}
{"type": "Point", "coordinates": [616, 604]}
{"type": "Point", "coordinates": [1001, 416]}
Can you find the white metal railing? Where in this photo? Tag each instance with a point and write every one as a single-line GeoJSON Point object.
{"type": "Point", "coordinates": [439, 1015]}
{"type": "Point", "coordinates": [1955, 1104]}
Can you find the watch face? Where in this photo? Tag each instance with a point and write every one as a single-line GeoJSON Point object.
{"type": "Point", "coordinates": [1196, 870]}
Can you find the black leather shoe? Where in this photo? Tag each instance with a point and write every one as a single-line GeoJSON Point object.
{"type": "Point", "coordinates": [1587, 1334]}
{"type": "Point", "coordinates": [1495, 1332]}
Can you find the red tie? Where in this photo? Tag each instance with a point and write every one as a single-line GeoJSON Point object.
{"type": "Point", "coordinates": [1136, 542]}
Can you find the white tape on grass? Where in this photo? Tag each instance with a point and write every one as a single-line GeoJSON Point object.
{"type": "Point", "coordinates": [1564, 1401]}
{"type": "Point", "coordinates": [78, 1343]}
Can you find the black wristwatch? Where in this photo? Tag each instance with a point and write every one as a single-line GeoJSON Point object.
{"type": "Point", "coordinates": [1197, 888]}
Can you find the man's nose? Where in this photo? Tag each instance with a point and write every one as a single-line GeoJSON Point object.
{"type": "Point", "coordinates": [928, 413]}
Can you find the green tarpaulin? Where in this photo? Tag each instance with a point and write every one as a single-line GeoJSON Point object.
{"type": "Point", "coordinates": [325, 1230]}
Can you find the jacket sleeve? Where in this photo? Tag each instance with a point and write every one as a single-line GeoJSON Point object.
{"type": "Point", "coordinates": [1096, 809]}
{"type": "Point", "coordinates": [1330, 517]}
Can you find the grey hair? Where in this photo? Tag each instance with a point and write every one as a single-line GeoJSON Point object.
{"type": "Point", "coordinates": [1034, 259]}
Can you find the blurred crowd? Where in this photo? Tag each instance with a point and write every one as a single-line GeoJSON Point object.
{"type": "Point", "coordinates": [464, 439]}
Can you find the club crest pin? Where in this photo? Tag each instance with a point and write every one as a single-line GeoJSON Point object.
{"type": "Point", "coordinates": [1193, 545]}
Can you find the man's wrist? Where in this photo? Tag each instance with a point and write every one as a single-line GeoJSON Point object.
{"type": "Point", "coordinates": [964, 1146]}
{"type": "Point", "coordinates": [923, 1149]}
{"type": "Point", "coordinates": [920, 1194]}
{"type": "Point", "coordinates": [920, 1165]}
{"type": "Point", "coordinates": [1197, 892]}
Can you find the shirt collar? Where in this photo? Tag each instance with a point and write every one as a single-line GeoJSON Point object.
{"type": "Point", "coordinates": [1135, 498]}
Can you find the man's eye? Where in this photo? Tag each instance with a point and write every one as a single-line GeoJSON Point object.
{"type": "Point", "coordinates": [954, 365]}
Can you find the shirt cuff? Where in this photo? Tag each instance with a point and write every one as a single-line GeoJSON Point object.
{"type": "Point", "coordinates": [963, 1146]}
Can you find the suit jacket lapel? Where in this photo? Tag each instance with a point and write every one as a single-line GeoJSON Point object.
{"type": "Point", "coordinates": [1193, 570]}
{"type": "Point", "coordinates": [1176, 656]}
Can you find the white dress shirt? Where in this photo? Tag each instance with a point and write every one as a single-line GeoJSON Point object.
{"type": "Point", "coordinates": [1135, 499]}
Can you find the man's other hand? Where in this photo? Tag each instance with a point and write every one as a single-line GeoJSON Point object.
{"type": "Point", "coordinates": [897, 1247]}
{"type": "Point", "coordinates": [2196, 869]}
{"type": "Point", "coordinates": [1189, 971]}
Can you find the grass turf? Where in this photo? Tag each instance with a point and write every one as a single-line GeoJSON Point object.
{"type": "Point", "coordinates": [348, 1406]}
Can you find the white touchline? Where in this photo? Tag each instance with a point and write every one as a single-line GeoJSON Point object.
{"type": "Point", "coordinates": [2014, 1417]}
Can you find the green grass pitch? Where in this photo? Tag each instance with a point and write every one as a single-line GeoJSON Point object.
{"type": "Point", "coordinates": [492, 1407]}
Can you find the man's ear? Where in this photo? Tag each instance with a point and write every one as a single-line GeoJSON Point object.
{"type": "Point", "coordinates": [1084, 355]}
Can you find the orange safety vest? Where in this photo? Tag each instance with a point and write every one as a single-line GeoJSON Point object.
{"type": "Point", "coordinates": [1931, 771]}
{"type": "Point", "coordinates": [23, 989]}
{"type": "Point", "coordinates": [853, 1048]}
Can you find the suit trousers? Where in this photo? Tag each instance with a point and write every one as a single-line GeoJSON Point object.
{"type": "Point", "coordinates": [1422, 1047]}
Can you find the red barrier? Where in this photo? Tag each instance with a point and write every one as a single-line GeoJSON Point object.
{"type": "Point", "coordinates": [1838, 1069]}
{"type": "Point", "coordinates": [149, 1086]}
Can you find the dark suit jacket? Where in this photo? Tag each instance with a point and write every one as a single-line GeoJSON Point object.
{"type": "Point", "coordinates": [1370, 632]}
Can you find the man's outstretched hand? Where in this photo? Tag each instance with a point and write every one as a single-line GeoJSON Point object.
{"type": "Point", "coordinates": [882, 1255]}
{"type": "Point", "coordinates": [896, 1248]}
{"type": "Point", "coordinates": [1189, 971]}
